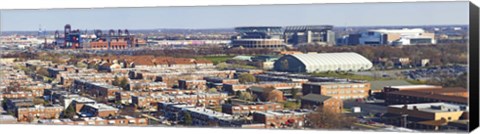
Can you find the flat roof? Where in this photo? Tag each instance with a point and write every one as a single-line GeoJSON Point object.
{"type": "Point", "coordinates": [281, 113]}
{"type": "Point", "coordinates": [414, 86]}
{"type": "Point", "coordinates": [102, 107]}
{"type": "Point", "coordinates": [437, 107]}
{"type": "Point", "coordinates": [432, 96]}
{"type": "Point", "coordinates": [209, 112]}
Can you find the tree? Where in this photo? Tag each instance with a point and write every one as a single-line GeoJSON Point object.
{"type": "Point", "coordinates": [81, 65]}
{"type": "Point", "coordinates": [69, 112]}
{"type": "Point", "coordinates": [115, 81]}
{"type": "Point", "coordinates": [42, 71]}
{"type": "Point", "coordinates": [296, 93]}
{"type": "Point", "coordinates": [245, 96]}
{"type": "Point", "coordinates": [121, 82]}
{"type": "Point", "coordinates": [124, 83]}
{"type": "Point", "coordinates": [275, 96]}
{"type": "Point", "coordinates": [291, 105]}
{"type": "Point", "coordinates": [222, 66]}
{"type": "Point", "coordinates": [246, 77]}
{"type": "Point", "coordinates": [327, 119]}
{"type": "Point", "coordinates": [271, 94]}
{"type": "Point", "coordinates": [212, 90]}
{"type": "Point", "coordinates": [187, 119]}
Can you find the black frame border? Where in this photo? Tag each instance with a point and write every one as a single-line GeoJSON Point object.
{"type": "Point", "coordinates": [473, 67]}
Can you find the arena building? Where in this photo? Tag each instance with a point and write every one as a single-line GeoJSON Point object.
{"type": "Point", "coordinates": [322, 62]}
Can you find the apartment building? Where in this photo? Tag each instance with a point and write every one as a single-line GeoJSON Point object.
{"type": "Point", "coordinates": [120, 120]}
{"type": "Point", "coordinates": [338, 90]}
{"type": "Point", "coordinates": [250, 108]}
{"type": "Point", "coordinates": [281, 119]}
{"type": "Point", "coordinates": [98, 110]}
{"type": "Point", "coordinates": [38, 112]}
{"type": "Point", "coordinates": [312, 101]}
{"type": "Point", "coordinates": [192, 84]}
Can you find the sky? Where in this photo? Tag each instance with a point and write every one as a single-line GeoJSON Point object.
{"type": "Point", "coordinates": [201, 17]}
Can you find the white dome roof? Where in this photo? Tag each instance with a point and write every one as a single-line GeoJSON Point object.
{"type": "Point", "coordinates": [333, 61]}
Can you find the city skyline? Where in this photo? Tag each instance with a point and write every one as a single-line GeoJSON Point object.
{"type": "Point", "coordinates": [209, 17]}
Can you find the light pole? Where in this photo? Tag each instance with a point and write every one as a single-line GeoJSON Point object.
{"type": "Point", "coordinates": [404, 117]}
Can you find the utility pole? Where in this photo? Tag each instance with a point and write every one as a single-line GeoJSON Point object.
{"type": "Point", "coordinates": [404, 117]}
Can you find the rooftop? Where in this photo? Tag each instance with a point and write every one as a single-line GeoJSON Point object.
{"type": "Point", "coordinates": [414, 86]}
{"type": "Point", "coordinates": [101, 107]}
{"type": "Point", "coordinates": [316, 97]}
{"type": "Point", "coordinates": [282, 113]}
{"type": "Point", "coordinates": [431, 95]}
{"type": "Point", "coordinates": [380, 84]}
{"type": "Point", "coordinates": [437, 107]}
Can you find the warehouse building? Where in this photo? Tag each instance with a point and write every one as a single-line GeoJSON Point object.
{"type": "Point", "coordinates": [324, 62]}
{"type": "Point", "coordinates": [404, 36]}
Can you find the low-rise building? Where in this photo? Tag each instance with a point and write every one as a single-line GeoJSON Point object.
{"type": "Point", "coordinates": [411, 96]}
{"type": "Point", "coordinates": [338, 90]}
{"type": "Point", "coordinates": [98, 121]}
{"type": "Point", "coordinates": [427, 116]}
{"type": "Point", "coordinates": [250, 108]}
{"type": "Point", "coordinates": [313, 101]}
{"type": "Point", "coordinates": [98, 110]}
{"type": "Point", "coordinates": [192, 84]}
{"type": "Point", "coordinates": [38, 112]}
{"type": "Point", "coordinates": [281, 119]}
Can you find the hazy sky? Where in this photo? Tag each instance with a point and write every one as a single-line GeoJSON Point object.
{"type": "Point", "coordinates": [368, 14]}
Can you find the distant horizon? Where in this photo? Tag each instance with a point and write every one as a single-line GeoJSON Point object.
{"type": "Point", "coordinates": [226, 17]}
{"type": "Point", "coordinates": [220, 28]}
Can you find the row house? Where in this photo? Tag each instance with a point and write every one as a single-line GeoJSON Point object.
{"type": "Point", "coordinates": [233, 88]}
{"type": "Point", "coordinates": [142, 85]}
{"type": "Point", "coordinates": [21, 94]}
{"type": "Point", "coordinates": [12, 105]}
{"type": "Point", "coordinates": [281, 119]}
{"type": "Point", "coordinates": [125, 97]}
{"type": "Point", "coordinates": [218, 82]}
{"type": "Point", "coordinates": [38, 112]}
{"type": "Point", "coordinates": [203, 117]}
{"type": "Point", "coordinates": [192, 84]}
{"type": "Point", "coordinates": [98, 110]}
{"type": "Point", "coordinates": [120, 120]}
{"type": "Point", "coordinates": [103, 91]}
{"type": "Point", "coordinates": [207, 99]}
{"type": "Point", "coordinates": [249, 108]}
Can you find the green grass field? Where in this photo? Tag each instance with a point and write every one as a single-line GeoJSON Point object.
{"type": "Point", "coordinates": [347, 75]}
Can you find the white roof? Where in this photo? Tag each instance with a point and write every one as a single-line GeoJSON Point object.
{"type": "Point", "coordinates": [415, 86]}
{"type": "Point", "coordinates": [333, 61]}
{"type": "Point", "coordinates": [436, 107]}
{"type": "Point", "coordinates": [405, 30]}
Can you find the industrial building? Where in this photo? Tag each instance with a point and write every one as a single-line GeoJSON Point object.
{"type": "Point", "coordinates": [76, 39]}
{"type": "Point", "coordinates": [428, 116]}
{"type": "Point", "coordinates": [322, 62]}
{"type": "Point", "coordinates": [71, 38]}
{"type": "Point", "coordinates": [258, 37]}
{"type": "Point", "coordinates": [404, 36]}
{"type": "Point", "coordinates": [315, 34]}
